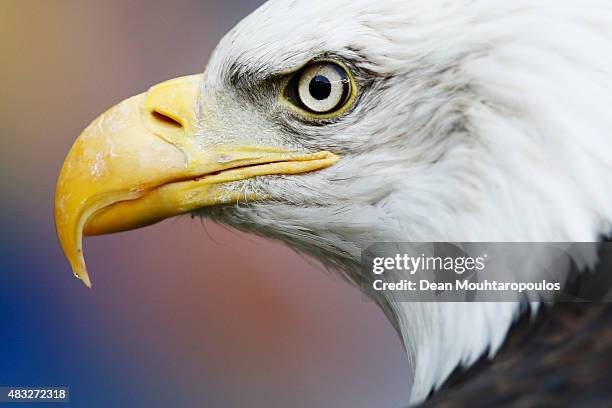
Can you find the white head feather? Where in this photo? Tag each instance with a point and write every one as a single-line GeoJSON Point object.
{"type": "Point", "coordinates": [477, 120]}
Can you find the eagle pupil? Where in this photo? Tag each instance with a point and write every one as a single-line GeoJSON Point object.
{"type": "Point", "coordinates": [320, 87]}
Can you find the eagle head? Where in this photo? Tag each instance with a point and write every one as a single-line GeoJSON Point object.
{"type": "Point", "coordinates": [332, 125]}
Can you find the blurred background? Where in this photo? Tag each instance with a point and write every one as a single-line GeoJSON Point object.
{"type": "Point", "coordinates": [183, 313]}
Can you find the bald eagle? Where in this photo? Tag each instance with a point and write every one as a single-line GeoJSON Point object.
{"type": "Point", "coordinates": [331, 125]}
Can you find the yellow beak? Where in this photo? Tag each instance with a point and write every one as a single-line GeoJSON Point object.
{"type": "Point", "coordinates": [142, 161]}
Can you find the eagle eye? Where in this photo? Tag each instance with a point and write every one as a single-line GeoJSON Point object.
{"type": "Point", "coordinates": [320, 88]}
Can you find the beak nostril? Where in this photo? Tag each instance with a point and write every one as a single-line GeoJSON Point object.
{"type": "Point", "coordinates": [165, 119]}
